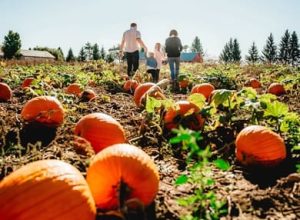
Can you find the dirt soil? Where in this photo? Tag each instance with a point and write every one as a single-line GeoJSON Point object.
{"type": "Point", "coordinates": [274, 194]}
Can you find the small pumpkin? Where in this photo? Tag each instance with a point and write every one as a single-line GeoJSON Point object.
{"type": "Point", "coordinates": [204, 88]}
{"type": "Point", "coordinates": [74, 89]}
{"type": "Point", "coordinates": [276, 89]}
{"type": "Point", "coordinates": [125, 168]}
{"type": "Point", "coordinates": [5, 92]}
{"type": "Point", "coordinates": [46, 189]}
{"type": "Point", "coordinates": [183, 84]}
{"type": "Point", "coordinates": [88, 95]}
{"type": "Point", "coordinates": [46, 110]}
{"type": "Point", "coordinates": [130, 85]}
{"type": "Point", "coordinates": [146, 89]}
{"type": "Point", "coordinates": [101, 130]}
{"type": "Point", "coordinates": [27, 82]}
{"type": "Point", "coordinates": [258, 145]}
{"type": "Point", "coordinates": [183, 113]}
{"type": "Point", "coordinates": [254, 83]}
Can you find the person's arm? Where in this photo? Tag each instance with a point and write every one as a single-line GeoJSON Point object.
{"type": "Point", "coordinates": [180, 45]}
{"type": "Point", "coordinates": [166, 46]}
{"type": "Point", "coordinates": [141, 43]}
{"type": "Point", "coordinates": [122, 45]}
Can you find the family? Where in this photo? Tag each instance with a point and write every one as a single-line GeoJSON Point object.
{"type": "Point", "coordinates": [130, 44]}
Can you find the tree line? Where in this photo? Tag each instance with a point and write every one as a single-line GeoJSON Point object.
{"type": "Point", "coordinates": [287, 52]}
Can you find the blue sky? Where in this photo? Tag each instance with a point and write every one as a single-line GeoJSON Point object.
{"type": "Point", "coordinates": [71, 23]}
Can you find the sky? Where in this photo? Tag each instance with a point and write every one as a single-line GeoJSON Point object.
{"type": "Point", "coordinates": [72, 23]}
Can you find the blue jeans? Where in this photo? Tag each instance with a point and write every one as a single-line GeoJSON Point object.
{"type": "Point", "coordinates": [174, 66]}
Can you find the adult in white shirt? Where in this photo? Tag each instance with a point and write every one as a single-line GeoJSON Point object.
{"type": "Point", "coordinates": [130, 44]}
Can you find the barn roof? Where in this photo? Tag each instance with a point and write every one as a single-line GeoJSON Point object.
{"type": "Point", "coordinates": [188, 57]}
{"type": "Point", "coordinates": [36, 53]}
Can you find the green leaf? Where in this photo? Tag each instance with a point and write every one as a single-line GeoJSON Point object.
{"type": "Point", "coordinates": [276, 109]}
{"type": "Point", "coordinates": [221, 96]}
{"type": "Point", "coordinates": [248, 92]}
{"type": "Point", "coordinates": [152, 104]}
{"type": "Point", "coordinates": [222, 164]}
{"type": "Point", "coordinates": [181, 180]}
{"type": "Point", "coordinates": [197, 99]}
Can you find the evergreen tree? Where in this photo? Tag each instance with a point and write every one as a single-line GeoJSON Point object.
{"type": "Point", "coordinates": [61, 56]}
{"type": "Point", "coordinates": [70, 57]}
{"type": "Point", "coordinates": [253, 54]}
{"type": "Point", "coordinates": [82, 55]}
{"type": "Point", "coordinates": [236, 52]}
{"type": "Point", "coordinates": [88, 49]}
{"type": "Point", "coordinates": [96, 52]}
{"type": "Point", "coordinates": [284, 48]}
{"type": "Point", "coordinates": [270, 50]}
{"type": "Point", "coordinates": [102, 53]}
{"type": "Point", "coordinates": [227, 54]}
{"type": "Point", "coordinates": [294, 49]}
{"type": "Point", "coordinates": [197, 46]}
{"type": "Point", "coordinates": [12, 45]}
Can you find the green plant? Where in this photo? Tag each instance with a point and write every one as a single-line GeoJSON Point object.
{"type": "Point", "coordinates": [203, 203]}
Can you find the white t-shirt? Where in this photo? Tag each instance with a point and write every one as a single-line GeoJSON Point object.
{"type": "Point", "coordinates": [159, 56]}
{"type": "Point", "coordinates": [130, 37]}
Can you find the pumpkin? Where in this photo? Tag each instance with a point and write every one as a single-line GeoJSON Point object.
{"type": "Point", "coordinates": [146, 89]}
{"type": "Point", "coordinates": [183, 113]}
{"type": "Point", "coordinates": [74, 89]}
{"type": "Point", "coordinates": [100, 130]}
{"type": "Point", "coordinates": [130, 85]}
{"type": "Point", "coordinates": [46, 110]}
{"type": "Point", "coordinates": [125, 168]}
{"type": "Point", "coordinates": [46, 189]}
{"type": "Point", "coordinates": [5, 92]}
{"type": "Point", "coordinates": [254, 83]}
{"type": "Point", "coordinates": [183, 84]}
{"type": "Point", "coordinates": [27, 82]}
{"type": "Point", "coordinates": [205, 89]}
{"type": "Point", "coordinates": [258, 145]}
{"type": "Point", "coordinates": [276, 89]}
{"type": "Point", "coordinates": [88, 95]}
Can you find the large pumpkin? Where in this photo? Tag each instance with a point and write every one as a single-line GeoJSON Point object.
{"type": "Point", "coordinates": [5, 92]}
{"type": "Point", "coordinates": [130, 85]}
{"type": "Point", "coordinates": [205, 89]}
{"type": "Point", "coordinates": [183, 113]}
{"type": "Point", "coordinates": [74, 89]}
{"type": "Point", "coordinates": [276, 89]}
{"type": "Point", "coordinates": [46, 189]}
{"type": "Point", "coordinates": [46, 110]}
{"type": "Point", "coordinates": [258, 145]}
{"type": "Point", "coordinates": [143, 89]}
{"type": "Point", "coordinates": [254, 83]}
{"type": "Point", "coordinates": [100, 130]}
{"type": "Point", "coordinates": [122, 167]}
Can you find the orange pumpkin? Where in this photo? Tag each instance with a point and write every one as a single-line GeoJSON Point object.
{"type": "Point", "coordinates": [254, 83]}
{"type": "Point", "coordinates": [122, 166]}
{"type": "Point", "coordinates": [46, 189]}
{"type": "Point", "coordinates": [88, 95]}
{"type": "Point", "coordinates": [5, 92]}
{"type": "Point", "coordinates": [46, 110]}
{"type": "Point", "coordinates": [140, 91]}
{"type": "Point", "coordinates": [276, 89]}
{"type": "Point", "coordinates": [183, 113]}
{"type": "Point", "coordinates": [258, 145]}
{"type": "Point", "coordinates": [205, 89]}
{"type": "Point", "coordinates": [27, 82]}
{"type": "Point", "coordinates": [130, 85]}
{"type": "Point", "coordinates": [74, 89]}
{"type": "Point", "coordinates": [100, 130]}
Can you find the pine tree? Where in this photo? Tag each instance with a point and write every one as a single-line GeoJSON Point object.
{"type": "Point", "coordinates": [294, 49]}
{"type": "Point", "coordinates": [96, 52]}
{"type": "Point", "coordinates": [284, 48]}
{"type": "Point", "coordinates": [225, 56]}
{"type": "Point", "coordinates": [102, 53]}
{"type": "Point", "coordinates": [197, 46]}
{"type": "Point", "coordinates": [88, 49]}
{"type": "Point", "coordinates": [11, 45]}
{"type": "Point", "coordinates": [270, 50]}
{"type": "Point", "coordinates": [60, 54]}
{"type": "Point", "coordinates": [253, 54]}
{"type": "Point", "coordinates": [236, 52]}
{"type": "Point", "coordinates": [228, 53]}
{"type": "Point", "coordinates": [82, 55]}
{"type": "Point", "coordinates": [70, 57]}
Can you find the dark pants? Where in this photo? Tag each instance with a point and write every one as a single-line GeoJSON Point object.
{"type": "Point", "coordinates": [132, 62]}
{"type": "Point", "coordinates": [155, 74]}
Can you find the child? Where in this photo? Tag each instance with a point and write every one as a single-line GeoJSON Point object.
{"type": "Point", "coordinates": [151, 64]}
{"type": "Point", "coordinates": [159, 56]}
